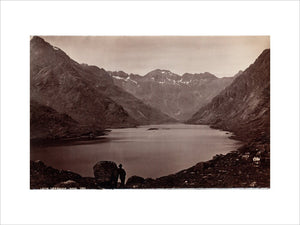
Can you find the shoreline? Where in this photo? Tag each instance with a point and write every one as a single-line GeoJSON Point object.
{"type": "Point", "coordinates": [246, 167]}
{"type": "Point", "coordinates": [236, 169]}
{"type": "Point", "coordinates": [67, 140]}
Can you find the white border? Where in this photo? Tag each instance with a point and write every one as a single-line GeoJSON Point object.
{"type": "Point", "coordinates": [279, 205]}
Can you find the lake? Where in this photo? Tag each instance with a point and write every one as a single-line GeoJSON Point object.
{"type": "Point", "coordinates": [166, 149]}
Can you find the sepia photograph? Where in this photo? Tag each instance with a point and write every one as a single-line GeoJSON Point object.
{"type": "Point", "coordinates": [149, 112]}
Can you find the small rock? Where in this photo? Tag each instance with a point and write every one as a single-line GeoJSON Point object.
{"type": "Point", "coordinates": [67, 184]}
{"type": "Point", "coordinates": [253, 184]}
{"type": "Point", "coordinates": [246, 156]}
{"type": "Point", "coordinates": [256, 159]}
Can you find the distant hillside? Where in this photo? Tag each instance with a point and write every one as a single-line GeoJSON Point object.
{"type": "Point", "coordinates": [244, 106]}
{"type": "Point", "coordinates": [178, 96]}
{"type": "Point", "coordinates": [45, 122]}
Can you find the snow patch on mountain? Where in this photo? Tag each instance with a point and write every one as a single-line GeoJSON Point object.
{"type": "Point", "coordinates": [125, 79]}
{"type": "Point", "coordinates": [119, 78]}
{"type": "Point", "coordinates": [141, 114]}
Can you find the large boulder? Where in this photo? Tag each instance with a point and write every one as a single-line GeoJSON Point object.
{"type": "Point", "coordinates": [105, 172]}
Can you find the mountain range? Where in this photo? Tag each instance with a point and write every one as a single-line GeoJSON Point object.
{"type": "Point", "coordinates": [68, 98]}
{"type": "Point", "coordinates": [177, 96]}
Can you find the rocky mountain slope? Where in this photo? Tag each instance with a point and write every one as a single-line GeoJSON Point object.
{"type": "Point", "coordinates": [46, 122]}
{"type": "Point", "coordinates": [85, 93]}
{"type": "Point", "coordinates": [178, 96]}
{"type": "Point", "coordinates": [244, 106]}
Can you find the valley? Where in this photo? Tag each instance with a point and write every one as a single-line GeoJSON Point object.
{"type": "Point", "coordinates": [177, 96]}
{"type": "Point", "coordinates": [107, 111]}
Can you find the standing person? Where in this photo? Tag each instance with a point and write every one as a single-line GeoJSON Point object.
{"type": "Point", "coordinates": [114, 178]}
{"type": "Point", "coordinates": [122, 175]}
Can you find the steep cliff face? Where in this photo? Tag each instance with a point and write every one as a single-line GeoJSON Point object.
{"type": "Point", "coordinates": [244, 106]}
{"type": "Point", "coordinates": [178, 96]}
{"type": "Point", "coordinates": [85, 93]}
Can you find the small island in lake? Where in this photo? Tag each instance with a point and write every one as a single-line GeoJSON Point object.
{"type": "Point", "coordinates": [153, 128]}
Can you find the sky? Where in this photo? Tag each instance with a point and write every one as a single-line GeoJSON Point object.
{"type": "Point", "coordinates": [222, 56]}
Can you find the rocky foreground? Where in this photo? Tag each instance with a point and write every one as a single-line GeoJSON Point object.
{"type": "Point", "coordinates": [249, 166]}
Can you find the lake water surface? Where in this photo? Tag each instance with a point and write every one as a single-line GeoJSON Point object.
{"type": "Point", "coordinates": [143, 152]}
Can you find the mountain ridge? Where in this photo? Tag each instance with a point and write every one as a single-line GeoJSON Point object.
{"type": "Point", "coordinates": [173, 94]}
{"type": "Point", "coordinates": [85, 93]}
{"type": "Point", "coordinates": [244, 106]}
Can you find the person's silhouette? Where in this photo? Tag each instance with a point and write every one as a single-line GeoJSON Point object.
{"type": "Point", "coordinates": [122, 175]}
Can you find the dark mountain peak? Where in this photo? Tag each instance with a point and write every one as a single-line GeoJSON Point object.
{"type": "Point", "coordinates": [162, 75]}
{"type": "Point", "coordinates": [160, 71]}
{"type": "Point", "coordinates": [37, 39]}
{"type": "Point", "coordinates": [263, 57]}
{"type": "Point", "coordinates": [207, 74]}
{"type": "Point", "coordinates": [257, 73]}
{"type": "Point", "coordinates": [266, 51]}
{"type": "Point", "coordinates": [38, 42]}
{"type": "Point", "coordinates": [48, 59]}
{"type": "Point", "coordinates": [198, 76]}
{"type": "Point", "coordinates": [42, 53]}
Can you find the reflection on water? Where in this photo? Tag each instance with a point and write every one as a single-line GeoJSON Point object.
{"type": "Point", "coordinates": [147, 153]}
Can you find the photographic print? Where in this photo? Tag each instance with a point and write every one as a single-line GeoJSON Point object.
{"type": "Point", "coordinates": [149, 112]}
